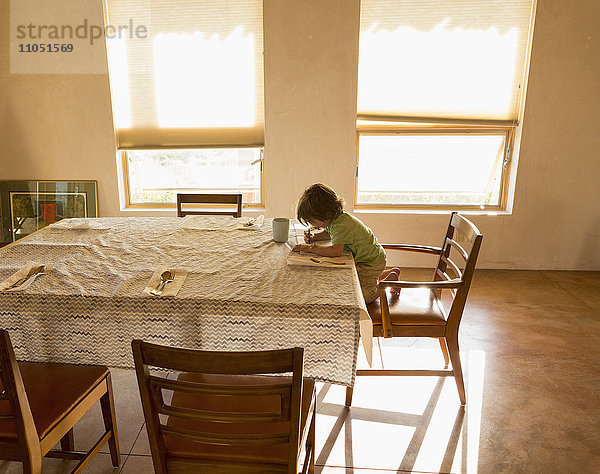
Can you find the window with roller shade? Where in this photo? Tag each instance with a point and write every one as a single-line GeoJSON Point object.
{"type": "Point", "coordinates": [188, 97]}
{"type": "Point", "coordinates": [440, 92]}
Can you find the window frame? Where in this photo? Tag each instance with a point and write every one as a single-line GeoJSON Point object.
{"type": "Point", "coordinates": [440, 129]}
{"type": "Point", "coordinates": [122, 153]}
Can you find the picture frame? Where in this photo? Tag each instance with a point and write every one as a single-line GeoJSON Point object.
{"type": "Point", "coordinates": [27, 206]}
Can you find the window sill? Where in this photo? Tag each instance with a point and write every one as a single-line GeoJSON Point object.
{"type": "Point", "coordinates": [173, 209]}
{"type": "Point", "coordinates": [470, 212]}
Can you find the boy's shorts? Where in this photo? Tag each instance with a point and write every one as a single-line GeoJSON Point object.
{"type": "Point", "coordinates": [367, 277]}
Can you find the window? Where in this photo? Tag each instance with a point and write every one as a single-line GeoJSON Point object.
{"type": "Point", "coordinates": [439, 100]}
{"type": "Point", "coordinates": [432, 168]}
{"type": "Point", "coordinates": [187, 97]}
{"type": "Point", "coordinates": [155, 176]}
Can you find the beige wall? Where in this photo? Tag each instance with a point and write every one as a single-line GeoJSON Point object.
{"type": "Point", "coordinates": [60, 127]}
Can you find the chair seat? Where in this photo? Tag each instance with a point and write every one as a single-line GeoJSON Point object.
{"type": "Point", "coordinates": [412, 307]}
{"type": "Point", "coordinates": [269, 454]}
{"type": "Point", "coordinates": [53, 391]}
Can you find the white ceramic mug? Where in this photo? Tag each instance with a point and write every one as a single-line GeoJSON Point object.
{"type": "Point", "coordinates": [281, 229]}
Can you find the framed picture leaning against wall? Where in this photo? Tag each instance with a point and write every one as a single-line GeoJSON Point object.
{"type": "Point", "coordinates": [26, 206]}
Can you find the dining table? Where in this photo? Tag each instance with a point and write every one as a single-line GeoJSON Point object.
{"type": "Point", "coordinates": [236, 291]}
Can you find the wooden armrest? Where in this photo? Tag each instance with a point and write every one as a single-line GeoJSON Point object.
{"type": "Point", "coordinates": [413, 248]}
{"type": "Point", "coordinates": [432, 285]}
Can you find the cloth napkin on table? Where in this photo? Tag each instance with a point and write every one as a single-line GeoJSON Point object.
{"type": "Point", "coordinates": [256, 225]}
{"type": "Point", "coordinates": [21, 274]}
{"type": "Point", "coordinates": [171, 288]}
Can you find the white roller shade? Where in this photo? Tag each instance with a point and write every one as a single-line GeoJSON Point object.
{"type": "Point", "coordinates": [196, 80]}
{"type": "Point", "coordinates": [449, 59]}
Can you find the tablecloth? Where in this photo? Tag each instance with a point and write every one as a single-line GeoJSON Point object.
{"type": "Point", "coordinates": [238, 295]}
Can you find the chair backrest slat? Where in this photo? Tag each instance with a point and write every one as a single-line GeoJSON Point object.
{"type": "Point", "coordinates": [442, 275]}
{"type": "Point", "coordinates": [283, 391]}
{"type": "Point", "coordinates": [221, 416]}
{"type": "Point", "coordinates": [216, 362]}
{"type": "Point", "coordinates": [453, 244]}
{"type": "Point", "coordinates": [195, 387]}
{"type": "Point", "coordinates": [449, 263]}
{"type": "Point", "coordinates": [216, 199]}
{"type": "Point", "coordinates": [464, 226]}
{"type": "Point", "coordinates": [255, 439]}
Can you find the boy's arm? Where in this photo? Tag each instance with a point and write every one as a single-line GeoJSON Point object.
{"type": "Point", "coordinates": [311, 236]}
{"type": "Point", "coordinates": [322, 235]}
{"type": "Point", "coordinates": [325, 250]}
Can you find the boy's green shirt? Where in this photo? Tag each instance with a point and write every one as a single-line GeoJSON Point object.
{"type": "Point", "coordinates": [357, 238]}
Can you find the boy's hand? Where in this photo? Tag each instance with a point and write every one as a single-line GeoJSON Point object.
{"type": "Point", "coordinates": [302, 248]}
{"type": "Point", "coordinates": [308, 237]}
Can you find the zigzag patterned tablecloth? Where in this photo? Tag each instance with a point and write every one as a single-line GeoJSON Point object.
{"type": "Point", "coordinates": [239, 294]}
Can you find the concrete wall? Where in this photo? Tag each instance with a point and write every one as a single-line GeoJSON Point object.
{"type": "Point", "coordinates": [60, 127]}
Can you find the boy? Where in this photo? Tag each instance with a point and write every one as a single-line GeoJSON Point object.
{"type": "Point", "coordinates": [320, 208]}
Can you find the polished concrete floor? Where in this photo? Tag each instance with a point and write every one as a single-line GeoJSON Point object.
{"type": "Point", "coordinates": [530, 345]}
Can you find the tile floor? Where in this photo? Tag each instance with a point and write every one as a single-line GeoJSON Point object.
{"type": "Point", "coordinates": [530, 343]}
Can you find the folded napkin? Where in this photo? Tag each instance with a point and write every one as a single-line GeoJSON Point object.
{"type": "Point", "coordinates": [22, 273]}
{"type": "Point", "coordinates": [310, 260]}
{"type": "Point", "coordinates": [171, 288]}
{"type": "Point", "coordinates": [256, 224]}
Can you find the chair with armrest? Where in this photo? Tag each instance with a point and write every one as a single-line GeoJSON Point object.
{"type": "Point", "coordinates": [40, 403]}
{"type": "Point", "coordinates": [227, 412]}
{"type": "Point", "coordinates": [232, 204]}
{"type": "Point", "coordinates": [414, 309]}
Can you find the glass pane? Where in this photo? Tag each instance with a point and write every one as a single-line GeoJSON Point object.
{"type": "Point", "coordinates": [424, 169]}
{"type": "Point", "coordinates": [158, 175]}
{"type": "Point", "coordinates": [27, 206]}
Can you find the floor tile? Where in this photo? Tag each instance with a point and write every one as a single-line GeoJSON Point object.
{"type": "Point", "coordinates": [141, 446]}
{"type": "Point", "coordinates": [585, 286]}
{"type": "Point", "coordinates": [138, 465]}
{"type": "Point", "coordinates": [518, 287]}
{"type": "Point", "coordinates": [130, 418]}
{"type": "Point", "coordinates": [101, 464]}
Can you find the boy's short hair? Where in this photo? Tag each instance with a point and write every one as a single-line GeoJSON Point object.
{"type": "Point", "coordinates": [319, 202]}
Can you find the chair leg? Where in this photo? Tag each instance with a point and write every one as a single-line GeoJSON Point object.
{"type": "Point", "coordinates": [67, 442]}
{"type": "Point", "coordinates": [452, 341]}
{"type": "Point", "coordinates": [349, 392]}
{"type": "Point", "coordinates": [32, 465]}
{"type": "Point", "coordinates": [107, 404]}
{"type": "Point", "coordinates": [312, 442]}
{"type": "Point", "coordinates": [444, 348]}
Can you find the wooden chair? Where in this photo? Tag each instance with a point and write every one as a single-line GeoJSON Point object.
{"type": "Point", "coordinates": [40, 403]}
{"type": "Point", "coordinates": [222, 416]}
{"type": "Point", "coordinates": [416, 311]}
{"type": "Point", "coordinates": [219, 199]}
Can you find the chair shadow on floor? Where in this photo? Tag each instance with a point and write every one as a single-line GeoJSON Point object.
{"type": "Point", "coordinates": [421, 423]}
